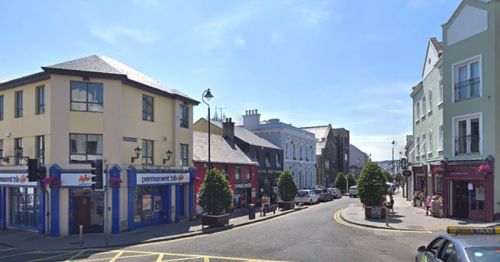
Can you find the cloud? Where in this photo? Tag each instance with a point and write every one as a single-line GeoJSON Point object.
{"type": "Point", "coordinates": [112, 34]}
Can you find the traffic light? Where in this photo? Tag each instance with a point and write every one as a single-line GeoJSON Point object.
{"type": "Point", "coordinates": [32, 170]}
{"type": "Point", "coordinates": [97, 175]}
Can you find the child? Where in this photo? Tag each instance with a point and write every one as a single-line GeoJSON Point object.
{"type": "Point", "coordinates": [427, 205]}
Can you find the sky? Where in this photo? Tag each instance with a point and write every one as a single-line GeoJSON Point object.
{"type": "Point", "coordinates": [351, 64]}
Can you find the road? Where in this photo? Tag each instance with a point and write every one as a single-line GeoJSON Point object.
{"type": "Point", "coordinates": [309, 235]}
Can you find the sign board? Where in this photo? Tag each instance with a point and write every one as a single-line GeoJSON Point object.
{"type": "Point", "coordinates": [162, 178]}
{"type": "Point", "coordinates": [76, 179]}
{"type": "Point", "coordinates": [470, 186]}
{"type": "Point", "coordinates": [15, 179]}
{"type": "Point", "coordinates": [407, 173]}
{"type": "Point", "coordinates": [246, 185]}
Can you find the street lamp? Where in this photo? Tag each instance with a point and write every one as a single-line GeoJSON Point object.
{"type": "Point", "coordinates": [393, 145]}
{"type": "Point", "coordinates": [208, 95]}
{"type": "Point", "coordinates": [137, 152]}
{"type": "Point", "coordinates": [403, 162]}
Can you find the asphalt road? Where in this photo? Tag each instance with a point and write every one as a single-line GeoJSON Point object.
{"type": "Point", "coordinates": [308, 235]}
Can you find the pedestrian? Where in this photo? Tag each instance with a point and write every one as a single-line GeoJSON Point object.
{"type": "Point", "coordinates": [427, 205]}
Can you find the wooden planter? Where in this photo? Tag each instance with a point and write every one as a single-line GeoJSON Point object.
{"type": "Point", "coordinates": [374, 212]}
{"type": "Point", "coordinates": [214, 220]}
{"type": "Point", "coordinates": [286, 205]}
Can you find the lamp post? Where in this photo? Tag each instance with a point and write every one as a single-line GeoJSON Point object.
{"type": "Point", "coordinates": [393, 167]}
{"type": "Point", "coordinates": [208, 95]}
{"type": "Point", "coordinates": [404, 165]}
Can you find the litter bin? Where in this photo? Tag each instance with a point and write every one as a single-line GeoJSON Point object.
{"type": "Point", "coordinates": [251, 211]}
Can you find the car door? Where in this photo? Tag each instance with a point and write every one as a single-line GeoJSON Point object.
{"type": "Point", "coordinates": [432, 251]}
{"type": "Point", "coordinates": [449, 252]}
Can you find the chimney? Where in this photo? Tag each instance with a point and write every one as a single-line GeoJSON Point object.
{"type": "Point", "coordinates": [228, 130]}
{"type": "Point", "coordinates": [251, 119]}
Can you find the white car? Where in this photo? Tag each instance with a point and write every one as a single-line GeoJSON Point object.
{"type": "Point", "coordinates": [353, 191]}
{"type": "Point", "coordinates": [336, 192]}
{"type": "Point", "coordinates": [306, 196]}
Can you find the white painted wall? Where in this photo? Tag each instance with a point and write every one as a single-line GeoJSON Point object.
{"type": "Point", "coordinates": [430, 60]}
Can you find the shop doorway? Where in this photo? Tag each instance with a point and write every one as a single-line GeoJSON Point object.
{"type": "Point", "coordinates": [460, 200]}
{"type": "Point", "coordinates": [87, 209]}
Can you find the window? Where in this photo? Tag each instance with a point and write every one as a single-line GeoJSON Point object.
{"type": "Point", "coordinates": [249, 174]}
{"type": "Point", "coordinates": [40, 149]}
{"type": "Point", "coordinates": [18, 104]}
{"type": "Point", "coordinates": [467, 135]}
{"type": "Point", "coordinates": [430, 101]}
{"type": "Point", "coordinates": [435, 246]}
{"type": "Point", "coordinates": [424, 145]}
{"type": "Point", "coordinates": [18, 150]}
{"type": "Point", "coordinates": [86, 97]}
{"type": "Point", "coordinates": [418, 146]}
{"type": "Point", "coordinates": [267, 160]}
{"type": "Point", "coordinates": [422, 114]}
{"type": "Point", "coordinates": [85, 147]}
{"type": "Point", "coordinates": [184, 120]}
{"type": "Point", "coordinates": [287, 152]}
{"type": "Point", "coordinates": [449, 253]}
{"type": "Point", "coordinates": [417, 111]}
{"type": "Point", "coordinates": [300, 153]}
{"type": "Point", "coordinates": [184, 154]}
{"type": "Point", "coordinates": [441, 136]}
{"type": "Point", "coordinates": [40, 100]}
{"type": "Point", "coordinates": [430, 142]}
{"type": "Point", "coordinates": [24, 206]}
{"type": "Point", "coordinates": [294, 156]}
{"type": "Point", "coordinates": [237, 173]}
{"type": "Point", "coordinates": [467, 80]}
{"type": "Point", "coordinates": [147, 108]}
{"type": "Point", "coordinates": [441, 87]}
{"type": "Point", "coordinates": [437, 183]}
{"type": "Point", "coordinates": [278, 163]}
{"type": "Point", "coordinates": [147, 152]}
{"type": "Point", "coordinates": [1, 107]}
{"type": "Point", "coordinates": [1, 150]}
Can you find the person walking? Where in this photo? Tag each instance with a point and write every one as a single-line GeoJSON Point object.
{"type": "Point", "coordinates": [427, 205]}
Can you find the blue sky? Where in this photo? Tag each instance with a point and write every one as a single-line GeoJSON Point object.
{"type": "Point", "coordinates": [348, 63]}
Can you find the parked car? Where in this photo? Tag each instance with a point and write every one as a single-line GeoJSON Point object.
{"type": "Point", "coordinates": [353, 191]}
{"type": "Point", "coordinates": [324, 195]}
{"type": "Point", "coordinates": [463, 244]}
{"type": "Point", "coordinates": [306, 196]}
{"type": "Point", "coordinates": [335, 192]}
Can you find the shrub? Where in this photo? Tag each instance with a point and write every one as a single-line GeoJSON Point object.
{"type": "Point", "coordinates": [351, 180]}
{"type": "Point", "coordinates": [215, 193]}
{"type": "Point", "coordinates": [372, 185]}
{"type": "Point", "coordinates": [286, 186]}
{"type": "Point", "coordinates": [341, 181]}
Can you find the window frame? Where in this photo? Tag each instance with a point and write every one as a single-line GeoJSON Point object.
{"type": "Point", "coordinates": [237, 173]}
{"type": "Point", "coordinates": [441, 91]}
{"type": "Point", "coordinates": [429, 139]}
{"type": "Point", "coordinates": [424, 145]}
{"type": "Point", "coordinates": [18, 110]}
{"type": "Point", "coordinates": [40, 100]}
{"type": "Point", "coordinates": [467, 118]}
{"type": "Point", "coordinates": [146, 159]}
{"type": "Point", "coordinates": [18, 142]}
{"type": "Point", "coordinates": [40, 149]}
{"type": "Point", "coordinates": [467, 62]}
{"type": "Point", "coordinates": [184, 116]}
{"type": "Point", "coordinates": [423, 107]}
{"type": "Point", "coordinates": [145, 114]}
{"type": "Point", "coordinates": [440, 137]}
{"type": "Point", "coordinates": [71, 101]}
{"type": "Point", "coordinates": [2, 105]}
{"type": "Point", "coordinates": [417, 111]}
{"type": "Point", "coordinates": [86, 148]}
{"type": "Point", "coordinates": [429, 97]}
{"type": "Point", "coordinates": [184, 155]}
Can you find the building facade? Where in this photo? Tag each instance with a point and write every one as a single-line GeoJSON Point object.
{"type": "Point", "coordinates": [299, 146]}
{"type": "Point", "coordinates": [342, 138]}
{"type": "Point", "coordinates": [87, 109]}
{"type": "Point", "coordinates": [470, 77]}
{"type": "Point", "coordinates": [268, 156]}
{"type": "Point", "coordinates": [326, 152]}
{"type": "Point", "coordinates": [428, 136]}
{"type": "Point", "coordinates": [357, 160]}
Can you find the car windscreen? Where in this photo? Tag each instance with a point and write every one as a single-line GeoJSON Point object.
{"type": "Point", "coordinates": [302, 193]}
{"type": "Point", "coordinates": [317, 191]}
{"type": "Point", "coordinates": [483, 254]}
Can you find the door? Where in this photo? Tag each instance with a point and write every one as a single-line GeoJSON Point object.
{"type": "Point", "coordinates": [460, 200]}
{"type": "Point", "coordinates": [81, 214]}
{"type": "Point", "coordinates": [477, 201]}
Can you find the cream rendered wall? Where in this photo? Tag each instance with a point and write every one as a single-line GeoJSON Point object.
{"type": "Point", "coordinates": [184, 135]}
{"type": "Point", "coordinates": [63, 211]}
{"type": "Point", "coordinates": [28, 126]}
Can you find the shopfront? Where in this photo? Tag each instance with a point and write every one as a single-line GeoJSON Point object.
{"type": "Point", "coordinates": [158, 197]}
{"type": "Point", "coordinates": [242, 195]}
{"type": "Point", "coordinates": [468, 191]}
{"type": "Point", "coordinates": [22, 203]}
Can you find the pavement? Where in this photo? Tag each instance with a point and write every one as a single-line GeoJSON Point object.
{"type": "Point", "coordinates": [406, 218]}
{"type": "Point", "coordinates": [20, 239]}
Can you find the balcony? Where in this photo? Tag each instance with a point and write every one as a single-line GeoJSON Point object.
{"type": "Point", "coordinates": [467, 144]}
{"type": "Point", "coordinates": [467, 89]}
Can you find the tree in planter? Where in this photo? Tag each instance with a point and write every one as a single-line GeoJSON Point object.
{"type": "Point", "coordinates": [341, 181]}
{"type": "Point", "coordinates": [286, 186]}
{"type": "Point", "coordinates": [215, 193]}
{"type": "Point", "coordinates": [372, 186]}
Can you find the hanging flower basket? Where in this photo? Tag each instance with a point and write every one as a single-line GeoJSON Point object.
{"type": "Point", "coordinates": [485, 169]}
{"type": "Point", "coordinates": [437, 170]}
{"type": "Point", "coordinates": [51, 181]}
{"type": "Point", "coordinates": [115, 181]}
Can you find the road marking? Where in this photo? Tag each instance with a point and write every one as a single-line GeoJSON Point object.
{"type": "Point", "coordinates": [160, 258]}
{"type": "Point", "coordinates": [25, 253]}
{"type": "Point", "coordinates": [52, 257]}
{"type": "Point", "coordinates": [76, 255]}
{"type": "Point", "coordinates": [338, 218]}
{"type": "Point", "coordinates": [116, 256]}
{"type": "Point", "coordinates": [183, 259]}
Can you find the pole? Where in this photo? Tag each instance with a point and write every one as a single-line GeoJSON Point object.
{"type": "Point", "coordinates": [209, 162]}
{"type": "Point", "coordinates": [106, 204]}
{"type": "Point", "coordinates": [81, 235]}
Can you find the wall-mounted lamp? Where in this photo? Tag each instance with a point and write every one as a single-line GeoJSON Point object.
{"type": "Point", "coordinates": [168, 153]}
{"type": "Point", "coordinates": [3, 158]}
{"type": "Point", "coordinates": [137, 152]}
{"type": "Point", "coordinates": [18, 154]}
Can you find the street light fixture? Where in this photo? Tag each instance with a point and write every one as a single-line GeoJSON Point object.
{"type": "Point", "coordinates": [393, 145]}
{"type": "Point", "coordinates": [137, 152]}
{"type": "Point", "coordinates": [168, 153]}
{"type": "Point", "coordinates": [208, 95]}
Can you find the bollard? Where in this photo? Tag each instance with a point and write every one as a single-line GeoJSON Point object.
{"type": "Point", "coordinates": [386, 217]}
{"type": "Point", "coordinates": [81, 235]}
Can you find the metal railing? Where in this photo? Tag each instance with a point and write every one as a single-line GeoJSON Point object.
{"type": "Point", "coordinates": [467, 144]}
{"type": "Point", "coordinates": [467, 89]}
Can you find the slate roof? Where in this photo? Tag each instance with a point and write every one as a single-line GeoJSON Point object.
{"type": "Point", "coordinates": [106, 65]}
{"type": "Point", "coordinates": [220, 150]}
{"type": "Point", "coordinates": [248, 136]}
{"type": "Point", "coordinates": [321, 134]}
{"type": "Point", "coordinates": [437, 45]}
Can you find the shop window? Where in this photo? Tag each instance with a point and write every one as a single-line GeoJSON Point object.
{"type": "Point", "coordinates": [437, 184]}
{"type": "Point", "coordinates": [85, 147]}
{"type": "Point", "coordinates": [477, 198]}
{"type": "Point", "coordinates": [87, 97]}
{"type": "Point", "coordinates": [24, 206]}
{"type": "Point", "coordinates": [148, 200]}
{"type": "Point", "coordinates": [147, 152]}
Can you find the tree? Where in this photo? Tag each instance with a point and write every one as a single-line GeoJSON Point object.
{"type": "Point", "coordinates": [215, 193]}
{"type": "Point", "coordinates": [388, 176]}
{"type": "Point", "coordinates": [351, 181]}
{"type": "Point", "coordinates": [286, 186]}
{"type": "Point", "coordinates": [340, 181]}
{"type": "Point", "coordinates": [372, 185]}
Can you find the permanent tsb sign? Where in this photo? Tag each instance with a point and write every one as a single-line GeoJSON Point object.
{"type": "Point", "coordinates": [162, 178]}
{"type": "Point", "coordinates": [15, 179]}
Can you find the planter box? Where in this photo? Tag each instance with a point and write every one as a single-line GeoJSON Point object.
{"type": "Point", "coordinates": [374, 212]}
{"type": "Point", "coordinates": [286, 205]}
{"type": "Point", "coordinates": [214, 220]}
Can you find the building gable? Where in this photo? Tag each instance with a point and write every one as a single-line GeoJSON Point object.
{"type": "Point", "coordinates": [467, 21]}
{"type": "Point", "coordinates": [431, 58]}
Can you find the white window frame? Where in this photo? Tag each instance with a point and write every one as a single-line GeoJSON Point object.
{"type": "Point", "coordinates": [429, 138]}
{"type": "Point", "coordinates": [454, 130]}
{"type": "Point", "coordinates": [418, 146]}
{"type": "Point", "coordinates": [441, 137]}
{"type": "Point", "coordinates": [429, 97]}
{"type": "Point", "coordinates": [423, 107]}
{"type": "Point", "coordinates": [441, 91]}
{"type": "Point", "coordinates": [417, 111]}
{"type": "Point", "coordinates": [468, 61]}
{"type": "Point", "coordinates": [423, 149]}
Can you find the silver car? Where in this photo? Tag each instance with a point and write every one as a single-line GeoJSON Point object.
{"type": "Point", "coordinates": [353, 191]}
{"type": "Point", "coordinates": [464, 244]}
{"type": "Point", "coordinates": [335, 192]}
